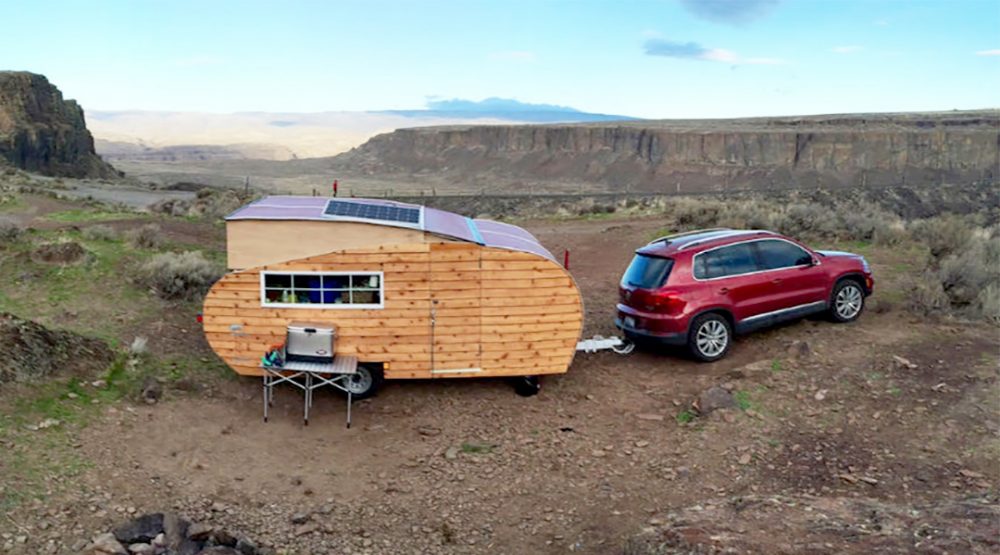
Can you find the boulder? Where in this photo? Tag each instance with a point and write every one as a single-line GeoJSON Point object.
{"type": "Point", "coordinates": [219, 550]}
{"type": "Point", "coordinates": [105, 544]}
{"type": "Point", "coordinates": [713, 399]}
{"type": "Point", "coordinates": [223, 537]}
{"type": "Point", "coordinates": [141, 529]}
{"type": "Point", "coordinates": [152, 390]}
{"type": "Point", "coordinates": [246, 547]}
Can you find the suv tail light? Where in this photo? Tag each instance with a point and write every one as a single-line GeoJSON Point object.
{"type": "Point", "coordinates": [665, 302]}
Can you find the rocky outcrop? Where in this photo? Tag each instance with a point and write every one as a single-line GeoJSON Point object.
{"type": "Point", "coordinates": [41, 132]}
{"type": "Point", "coordinates": [696, 156]}
{"type": "Point", "coordinates": [32, 352]}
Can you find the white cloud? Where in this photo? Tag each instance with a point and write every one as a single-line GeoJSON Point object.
{"type": "Point", "coordinates": [513, 56]}
{"type": "Point", "coordinates": [695, 51]}
{"type": "Point", "coordinates": [994, 52]}
{"type": "Point", "coordinates": [719, 55]}
{"type": "Point", "coordinates": [847, 49]}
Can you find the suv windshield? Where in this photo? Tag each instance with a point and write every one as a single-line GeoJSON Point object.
{"type": "Point", "coordinates": [647, 272]}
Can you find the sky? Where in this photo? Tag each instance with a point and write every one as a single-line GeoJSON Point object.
{"type": "Point", "coordinates": [648, 58]}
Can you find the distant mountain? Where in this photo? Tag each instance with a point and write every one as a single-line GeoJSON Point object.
{"type": "Point", "coordinates": [506, 109]}
{"type": "Point", "coordinates": [178, 136]}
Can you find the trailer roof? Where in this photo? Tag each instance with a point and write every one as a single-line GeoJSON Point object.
{"type": "Point", "coordinates": [393, 214]}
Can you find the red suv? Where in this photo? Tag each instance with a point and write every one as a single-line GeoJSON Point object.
{"type": "Point", "coordinates": [697, 288]}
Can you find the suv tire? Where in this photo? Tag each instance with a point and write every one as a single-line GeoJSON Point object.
{"type": "Point", "coordinates": [847, 301]}
{"type": "Point", "coordinates": [710, 337]}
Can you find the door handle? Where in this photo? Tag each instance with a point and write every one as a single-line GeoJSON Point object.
{"type": "Point", "coordinates": [723, 290]}
{"type": "Point", "coordinates": [776, 281]}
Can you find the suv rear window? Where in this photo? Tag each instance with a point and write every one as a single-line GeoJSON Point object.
{"type": "Point", "coordinates": [647, 272]}
{"type": "Point", "coordinates": [732, 260]}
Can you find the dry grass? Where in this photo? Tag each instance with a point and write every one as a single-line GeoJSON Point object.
{"type": "Point", "coordinates": [99, 232]}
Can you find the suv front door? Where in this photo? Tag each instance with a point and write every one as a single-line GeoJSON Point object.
{"type": "Point", "coordinates": [795, 281]}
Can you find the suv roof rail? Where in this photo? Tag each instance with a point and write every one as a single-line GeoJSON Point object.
{"type": "Point", "coordinates": [731, 233]}
{"type": "Point", "coordinates": [686, 233]}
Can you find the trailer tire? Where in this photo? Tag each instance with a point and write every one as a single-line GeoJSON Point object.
{"type": "Point", "coordinates": [365, 382]}
{"type": "Point", "coordinates": [527, 386]}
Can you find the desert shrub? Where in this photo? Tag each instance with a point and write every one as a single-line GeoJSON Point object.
{"type": "Point", "coordinates": [943, 235]}
{"type": "Point", "coordinates": [891, 235]}
{"type": "Point", "coordinates": [748, 215]}
{"type": "Point", "coordinates": [139, 347]}
{"type": "Point", "coordinates": [9, 231]}
{"type": "Point", "coordinates": [988, 303]}
{"type": "Point", "coordinates": [970, 271]}
{"type": "Point", "coordinates": [695, 214]}
{"type": "Point", "coordinates": [100, 233]}
{"type": "Point", "coordinates": [863, 223]}
{"type": "Point", "coordinates": [145, 237]}
{"type": "Point", "coordinates": [925, 295]}
{"type": "Point", "coordinates": [808, 220]}
{"type": "Point", "coordinates": [179, 276]}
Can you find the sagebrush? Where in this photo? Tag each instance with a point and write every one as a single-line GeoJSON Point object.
{"type": "Point", "coordinates": [146, 237]}
{"type": "Point", "coordinates": [178, 276]}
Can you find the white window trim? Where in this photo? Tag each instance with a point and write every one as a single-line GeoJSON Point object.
{"type": "Point", "coordinates": [319, 306]}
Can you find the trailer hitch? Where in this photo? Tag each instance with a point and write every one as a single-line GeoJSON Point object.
{"type": "Point", "coordinates": [601, 343]}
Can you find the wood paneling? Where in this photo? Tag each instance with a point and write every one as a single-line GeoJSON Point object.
{"type": "Point", "coordinates": [505, 312]}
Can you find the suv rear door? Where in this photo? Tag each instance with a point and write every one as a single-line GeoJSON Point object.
{"type": "Point", "coordinates": [733, 276]}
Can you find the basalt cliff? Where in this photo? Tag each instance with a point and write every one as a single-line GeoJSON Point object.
{"type": "Point", "coordinates": [41, 132]}
{"type": "Point", "coordinates": [684, 156]}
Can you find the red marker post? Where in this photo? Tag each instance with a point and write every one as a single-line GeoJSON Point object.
{"type": "Point", "coordinates": [335, 184]}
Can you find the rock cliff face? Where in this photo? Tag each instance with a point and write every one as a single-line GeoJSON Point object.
{"type": "Point", "coordinates": [41, 132]}
{"type": "Point", "coordinates": [706, 155]}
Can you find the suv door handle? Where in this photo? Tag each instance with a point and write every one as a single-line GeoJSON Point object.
{"type": "Point", "coordinates": [776, 281]}
{"type": "Point", "coordinates": [723, 290]}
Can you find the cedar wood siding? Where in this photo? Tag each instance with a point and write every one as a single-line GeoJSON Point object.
{"type": "Point", "coordinates": [506, 312]}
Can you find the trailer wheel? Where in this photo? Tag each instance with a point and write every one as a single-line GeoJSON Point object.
{"type": "Point", "coordinates": [527, 386]}
{"type": "Point", "coordinates": [365, 382]}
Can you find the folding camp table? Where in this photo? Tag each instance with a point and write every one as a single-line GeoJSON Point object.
{"type": "Point", "coordinates": [310, 376]}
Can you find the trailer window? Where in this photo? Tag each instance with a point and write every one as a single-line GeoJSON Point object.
{"type": "Point", "coordinates": [321, 289]}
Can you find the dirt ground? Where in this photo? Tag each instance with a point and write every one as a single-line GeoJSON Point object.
{"type": "Point", "coordinates": [879, 436]}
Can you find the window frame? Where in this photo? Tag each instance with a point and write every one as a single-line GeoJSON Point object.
{"type": "Point", "coordinates": [756, 257]}
{"type": "Point", "coordinates": [760, 255]}
{"type": "Point", "coordinates": [323, 306]}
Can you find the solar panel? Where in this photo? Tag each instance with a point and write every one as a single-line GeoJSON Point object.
{"type": "Point", "coordinates": [365, 211]}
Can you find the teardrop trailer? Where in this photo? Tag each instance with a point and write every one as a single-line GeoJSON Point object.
{"type": "Point", "coordinates": [388, 290]}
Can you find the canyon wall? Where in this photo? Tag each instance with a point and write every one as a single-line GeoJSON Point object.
{"type": "Point", "coordinates": [41, 132]}
{"type": "Point", "coordinates": [698, 155]}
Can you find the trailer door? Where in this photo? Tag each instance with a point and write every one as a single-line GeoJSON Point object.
{"type": "Point", "coordinates": [456, 313]}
